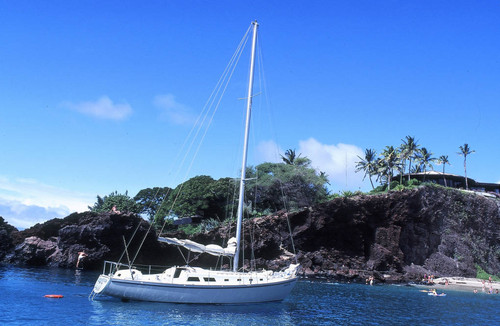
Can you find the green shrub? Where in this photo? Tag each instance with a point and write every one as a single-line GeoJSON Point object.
{"type": "Point", "coordinates": [481, 274]}
{"type": "Point", "coordinates": [379, 189]}
{"type": "Point", "coordinates": [394, 184]}
{"type": "Point", "coordinates": [399, 188]}
{"type": "Point", "coordinates": [413, 183]}
{"type": "Point", "coordinates": [346, 193]}
{"type": "Point", "coordinates": [190, 229]}
{"type": "Point", "coordinates": [333, 196]}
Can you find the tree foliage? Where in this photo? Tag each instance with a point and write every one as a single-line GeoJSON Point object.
{"type": "Point", "coordinates": [269, 187]}
{"type": "Point", "coordinates": [465, 150]}
{"type": "Point", "coordinates": [151, 199]}
{"type": "Point", "coordinates": [202, 196]}
{"type": "Point", "coordinates": [274, 186]}
{"type": "Point", "coordinates": [387, 164]}
{"type": "Point", "coordinates": [443, 159]}
{"type": "Point", "coordinates": [425, 159]}
{"type": "Point", "coordinates": [368, 164]}
{"type": "Point", "coordinates": [400, 159]}
{"type": "Point", "coordinates": [408, 151]}
{"type": "Point", "coordinates": [123, 203]}
{"type": "Point", "coordinates": [291, 158]}
{"type": "Point", "coordinates": [191, 197]}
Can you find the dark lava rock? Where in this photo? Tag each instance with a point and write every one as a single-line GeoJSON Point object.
{"type": "Point", "coordinates": [57, 242]}
{"type": "Point", "coordinates": [6, 241]}
{"type": "Point", "coordinates": [432, 230]}
{"type": "Point", "coordinates": [395, 237]}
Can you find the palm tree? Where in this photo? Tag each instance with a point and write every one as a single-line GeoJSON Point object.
{"type": "Point", "coordinates": [324, 177]}
{"type": "Point", "coordinates": [403, 156]}
{"type": "Point", "coordinates": [443, 159]}
{"type": "Point", "coordinates": [464, 151]}
{"type": "Point", "coordinates": [416, 169]}
{"type": "Point", "coordinates": [368, 164]}
{"type": "Point", "coordinates": [409, 149]}
{"type": "Point", "coordinates": [289, 157]}
{"type": "Point", "coordinates": [388, 163]}
{"type": "Point", "coordinates": [426, 159]}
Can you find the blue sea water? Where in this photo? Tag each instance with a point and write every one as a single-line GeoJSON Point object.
{"type": "Point", "coordinates": [22, 302]}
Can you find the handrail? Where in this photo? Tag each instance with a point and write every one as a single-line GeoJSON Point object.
{"type": "Point", "coordinates": [110, 267]}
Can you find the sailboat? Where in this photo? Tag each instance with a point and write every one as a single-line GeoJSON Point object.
{"type": "Point", "coordinates": [188, 284]}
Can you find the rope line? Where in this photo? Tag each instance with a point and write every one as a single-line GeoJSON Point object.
{"type": "Point", "coordinates": [211, 106]}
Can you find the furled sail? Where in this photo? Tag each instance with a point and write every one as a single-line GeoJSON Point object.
{"type": "Point", "coordinates": [211, 249]}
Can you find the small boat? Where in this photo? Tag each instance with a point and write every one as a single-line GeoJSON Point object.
{"type": "Point", "coordinates": [54, 296]}
{"type": "Point", "coordinates": [187, 284]}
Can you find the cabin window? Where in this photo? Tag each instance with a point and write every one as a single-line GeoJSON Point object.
{"type": "Point", "coordinates": [226, 280]}
{"type": "Point", "coordinates": [177, 272]}
{"type": "Point", "coordinates": [239, 280]}
{"type": "Point", "coordinates": [193, 279]}
{"type": "Point", "coordinates": [261, 279]}
{"type": "Point", "coordinates": [209, 279]}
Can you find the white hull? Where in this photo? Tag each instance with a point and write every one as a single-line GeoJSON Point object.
{"type": "Point", "coordinates": [222, 294]}
{"type": "Point", "coordinates": [197, 285]}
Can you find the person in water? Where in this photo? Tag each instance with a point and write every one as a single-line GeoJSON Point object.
{"type": "Point", "coordinates": [81, 255]}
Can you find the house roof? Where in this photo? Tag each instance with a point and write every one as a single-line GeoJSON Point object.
{"type": "Point", "coordinates": [437, 174]}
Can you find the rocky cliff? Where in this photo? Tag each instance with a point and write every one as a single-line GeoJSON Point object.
{"type": "Point", "coordinates": [397, 236]}
{"type": "Point", "coordinates": [6, 233]}
{"type": "Point", "coordinates": [57, 242]}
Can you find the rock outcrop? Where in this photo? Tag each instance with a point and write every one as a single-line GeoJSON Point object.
{"type": "Point", "coordinates": [6, 242]}
{"type": "Point", "coordinates": [397, 236]}
{"type": "Point", "coordinates": [57, 242]}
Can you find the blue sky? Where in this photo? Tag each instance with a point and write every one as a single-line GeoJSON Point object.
{"type": "Point", "coordinates": [99, 96]}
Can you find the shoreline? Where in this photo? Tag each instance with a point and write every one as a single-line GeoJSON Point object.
{"type": "Point", "coordinates": [455, 283]}
{"type": "Point", "coordinates": [462, 284]}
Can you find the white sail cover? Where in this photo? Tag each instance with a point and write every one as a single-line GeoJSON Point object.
{"type": "Point", "coordinates": [211, 249]}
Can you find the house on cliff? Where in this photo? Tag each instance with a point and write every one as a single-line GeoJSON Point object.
{"type": "Point", "coordinates": [454, 181]}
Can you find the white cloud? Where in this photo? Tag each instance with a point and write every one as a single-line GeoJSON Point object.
{"type": "Point", "coordinates": [174, 111]}
{"type": "Point", "coordinates": [25, 202]}
{"type": "Point", "coordinates": [268, 151]}
{"type": "Point", "coordinates": [103, 108]}
{"type": "Point", "coordinates": [337, 161]}
{"type": "Point", "coordinates": [24, 216]}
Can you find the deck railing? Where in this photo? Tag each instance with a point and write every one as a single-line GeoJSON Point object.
{"type": "Point", "coordinates": [110, 267]}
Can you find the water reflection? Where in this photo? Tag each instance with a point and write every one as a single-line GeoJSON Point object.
{"type": "Point", "coordinates": [78, 276]}
{"type": "Point", "coordinates": [114, 311]}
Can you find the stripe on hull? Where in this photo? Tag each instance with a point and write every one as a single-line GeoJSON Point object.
{"type": "Point", "coordinates": [150, 291]}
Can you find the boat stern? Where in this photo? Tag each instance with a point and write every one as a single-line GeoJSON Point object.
{"type": "Point", "coordinates": [101, 283]}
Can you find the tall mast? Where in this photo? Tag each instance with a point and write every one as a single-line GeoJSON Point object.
{"type": "Point", "coordinates": [245, 149]}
